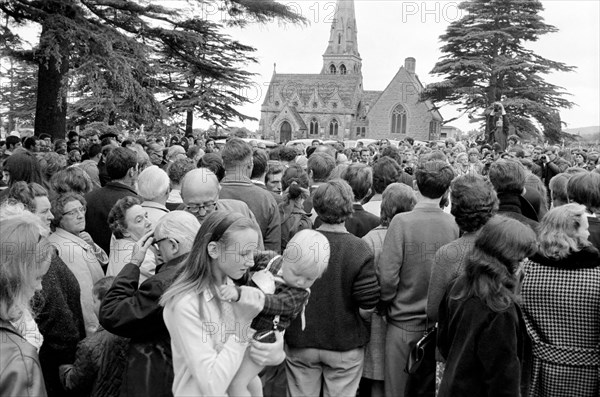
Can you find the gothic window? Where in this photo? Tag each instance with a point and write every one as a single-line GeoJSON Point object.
{"type": "Point", "coordinates": [333, 127]}
{"type": "Point", "coordinates": [314, 127]}
{"type": "Point", "coordinates": [361, 132]}
{"type": "Point", "coordinates": [433, 129]}
{"type": "Point", "coordinates": [332, 69]}
{"type": "Point", "coordinates": [339, 38]}
{"type": "Point", "coordinates": [399, 120]}
{"type": "Point", "coordinates": [342, 69]}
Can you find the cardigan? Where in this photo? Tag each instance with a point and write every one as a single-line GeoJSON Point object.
{"type": "Point", "coordinates": [82, 260]}
{"type": "Point", "coordinates": [561, 307]}
{"type": "Point", "coordinates": [57, 309]}
{"type": "Point", "coordinates": [409, 249]}
{"type": "Point", "coordinates": [347, 285]}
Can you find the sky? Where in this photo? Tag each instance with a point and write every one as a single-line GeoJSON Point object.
{"type": "Point", "coordinates": [390, 31]}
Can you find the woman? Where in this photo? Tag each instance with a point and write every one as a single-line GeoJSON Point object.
{"type": "Point", "coordinates": [22, 166]}
{"type": "Point", "coordinates": [21, 270]}
{"type": "Point", "coordinates": [580, 160]}
{"type": "Point", "coordinates": [77, 249]}
{"type": "Point", "coordinates": [333, 340]}
{"type": "Point", "coordinates": [396, 198]}
{"type": "Point", "coordinates": [561, 306]}
{"type": "Point", "coordinates": [57, 307]}
{"type": "Point", "coordinates": [71, 179]}
{"type": "Point", "coordinates": [209, 336]}
{"type": "Point", "coordinates": [128, 222]}
{"type": "Point", "coordinates": [461, 164]}
{"type": "Point", "coordinates": [481, 332]}
{"type": "Point", "coordinates": [295, 190]}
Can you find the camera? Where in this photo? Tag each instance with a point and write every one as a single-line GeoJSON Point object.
{"type": "Point", "coordinates": [497, 107]}
{"type": "Point", "coordinates": [543, 157]}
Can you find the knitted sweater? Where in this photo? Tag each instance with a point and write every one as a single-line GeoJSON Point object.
{"type": "Point", "coordinates": [405, 266]}
{"type": "Point", "coordinates": [349, 283]}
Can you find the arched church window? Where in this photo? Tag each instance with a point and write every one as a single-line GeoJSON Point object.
{"type": "Point", "coordinates": [399, 120]}
{"type": "Point", "coordinates": [333, 127]}
{"type": "Point", "coordinates": [342, 69]}
{"type": "Point", "coordinates": [339, 38]}
{"type": "Point", "coordinates": [314, 127]}
{"type": "Point", "coordinates": [332, 69]}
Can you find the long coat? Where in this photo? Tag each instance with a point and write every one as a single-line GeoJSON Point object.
{"type": "Point", "coordinates": [561, 307]}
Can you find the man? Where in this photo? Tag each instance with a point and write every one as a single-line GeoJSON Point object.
{"type": "Point", "coordinates": [287, 155]}
{"type": "Point", "coordinates": [90, 166]}
{"type": "Point", "coordinates": [259, 171]}
{"type": "Point", "coordinates": [237, 159]}
{"type": "Point", "coordinates": [154, 187]}
{"type": "Point", "coordinates": [12, 142]}
{"type": "Point", "coordinates": [200, 195]}
{"type": "Point", "coordinates": [405, 269]}
{"type": "Point", "coordinates": [584, 188]}
{"type": "Point", "coordinates": [155, 152]}
{"type": "Point", "coordinates": [133, 312]}
{"type": "Point", "coordinates": [508, 177]}
{"type": "Point", "coordinates": [360, 178]}
{"type": "Point", "coordinates": [320, 166]}
{"type": "Point", "coordinates": [273, 176]}
{"type": "Point", "coordinates": [365, 156]}
{"type": "Point", "coordinates": [552, 164]}
{"type": "Point", "coordinates": [122, 168]}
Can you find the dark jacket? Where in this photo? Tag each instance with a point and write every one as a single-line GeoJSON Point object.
{"type": "Point", "coordinates": [359, 223]}
{"type": "Point", "coordinates": [20, 370]}
{"type": "Point", "coordinates": [594, 230]}
{"type": "Point", "coordinates": [134, 313]}
{"type": "Point", "coordinates": [512, 205]}
{"type": "Point", "coordinates": [98, 367]}
{"type": "Point", "coordinates": [261, 203]}
{"type": "Point", "coordinates": [549, 170]}
{"type": "Point", "coordinates": [99, 204]}
{"type": "Point", "coordinates": [484, 349]}
{"type": "Point", "coordinates": [332, 313]}
{"type": "Point", "coordinates": [58, 315]}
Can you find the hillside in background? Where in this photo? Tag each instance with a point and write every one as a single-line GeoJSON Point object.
{"type": "Point", "coordinates": [588, 134]}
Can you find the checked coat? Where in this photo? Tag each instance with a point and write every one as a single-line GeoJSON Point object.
{"type": "Point", "coordinates": [561, 308]}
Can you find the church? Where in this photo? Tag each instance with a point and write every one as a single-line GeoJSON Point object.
{"type": "Point", "coordinates": [334, 104]}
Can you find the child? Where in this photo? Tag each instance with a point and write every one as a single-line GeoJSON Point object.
{"type": "Point", "coordinates": [100, 359]}
{"type": "Point", "coordinates": [304, 260]}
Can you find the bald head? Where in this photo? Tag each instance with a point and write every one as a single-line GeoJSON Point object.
{"type": "Point", "coordinates": [199, 180]}
{"type": "Point", "coordinates": [200, 192]}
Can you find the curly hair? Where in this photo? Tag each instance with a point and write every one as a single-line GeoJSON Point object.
{"type": "Point", "coordinates": [26, 193]}
{"type": "Point", "coordinates": [71, 179]}
{"type": "Point", "coordinates": [51, 163]}
{"type": "Point", "coordinates": [559, 231]}
{"type": "Point", "coordinates": [178, 168]}
{"type": "Point", "coordinates": [116, 216]}
{"type": "Point", "coordinates": [294, 183]}
{"type": "Point", "coordinates": [474, 201]}
{"type": "Point", "coordinates": [59, 202]}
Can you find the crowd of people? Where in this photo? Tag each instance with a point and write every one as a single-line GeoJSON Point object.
{"type": "Point", "coordinates": [139, 268]}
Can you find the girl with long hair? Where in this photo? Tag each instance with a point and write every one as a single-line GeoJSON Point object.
{"type": "Point", "coordinates": [209, 335]}
{"type": "Point", "coordinates": [481, 332]}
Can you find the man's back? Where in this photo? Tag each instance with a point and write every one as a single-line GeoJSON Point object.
{"type": "Point", "coordinates": [407, 259]}
{"type": "Point", "coordinates": [263, 206]}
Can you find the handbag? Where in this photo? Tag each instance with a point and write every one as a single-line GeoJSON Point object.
{"type": "Point", "coordinates": [418, 352]}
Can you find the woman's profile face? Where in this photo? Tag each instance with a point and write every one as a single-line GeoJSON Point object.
{"type": "Point", "coordinates": [138, 224]}
{"type": "Point", "coordinates": [235, 258]}
{"type": "Point", "coordinates": [73, 218]}
{"type": "Point", "coordinates": [583, 230]}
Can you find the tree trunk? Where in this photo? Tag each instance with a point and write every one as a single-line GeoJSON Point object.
{"type": "Point", "coordinates": [189, 123]}
{"type": "Point", "coordinates": [51, 107]}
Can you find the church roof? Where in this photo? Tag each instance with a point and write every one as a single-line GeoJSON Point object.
{"type": "Point", "coordinates": [370, 97]}
{"type": "Point", "coordinates": [286, 86]}
{"type": "Point", "coordinates": [297, 117]}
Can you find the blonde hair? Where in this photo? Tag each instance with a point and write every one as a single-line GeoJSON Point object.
{"type": "Point", "coordinates": [22, 255]}
{"type": "Point", "coordinates": [308, 252]}
{"type": "Point", "coordinates": [558, 233]}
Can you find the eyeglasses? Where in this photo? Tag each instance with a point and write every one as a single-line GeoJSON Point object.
{"type": "Point", "coordinates": [75, 211]}
{"type": "Point", "coordinates": [155, 243]}
{"type": "Point", "coordinates": [195, 208]}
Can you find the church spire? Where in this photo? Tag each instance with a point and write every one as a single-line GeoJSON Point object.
{"type": "Point", "coordinates": [341, 55]}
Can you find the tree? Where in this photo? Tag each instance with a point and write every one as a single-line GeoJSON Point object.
{"type": "Point", "coordinates": [18, 87]}
{"type": "Point", "coordinates": [112, 44]}
{"type": "Point", "coordinates": [485, 61]}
